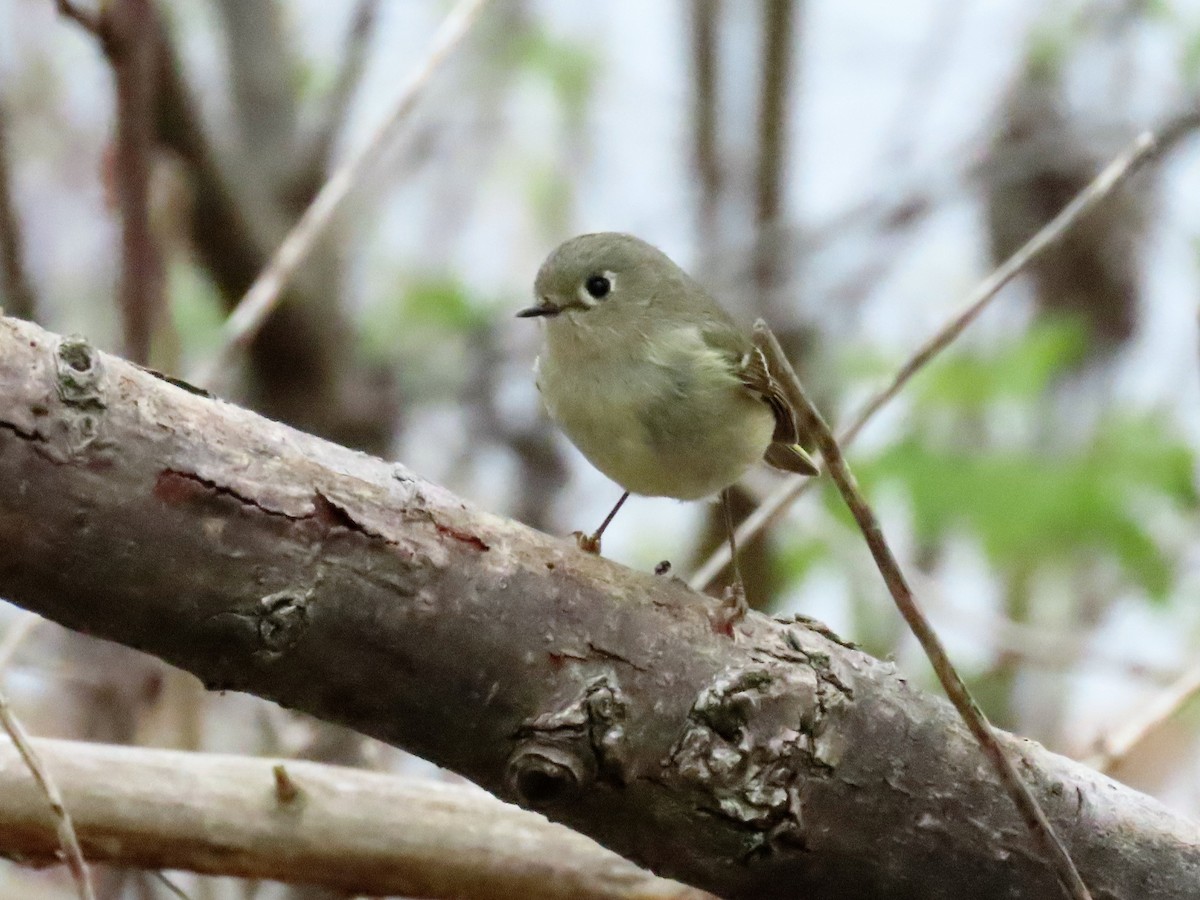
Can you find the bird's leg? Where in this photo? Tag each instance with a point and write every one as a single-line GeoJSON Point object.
{"type": "Point", "coordinates": [590, 543]}
{"type": "Point", "coordinates": [735, 594]}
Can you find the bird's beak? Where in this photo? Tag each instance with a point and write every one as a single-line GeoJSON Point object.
{"type": "Point", "coordinates": [545, 308]}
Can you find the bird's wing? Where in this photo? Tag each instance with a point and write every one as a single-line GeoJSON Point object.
{"type": "Point", "coordinates": [753, 369]}
{"type": "Point", "coordinates": [755, 373]}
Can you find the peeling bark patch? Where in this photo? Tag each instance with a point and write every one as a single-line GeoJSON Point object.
{"type": "Point", "coordinates": [175, 487]}
{"type": "Point", "coordinates": [459, 535]}
{"type": "Point", "coordinates": [612, 656]}
{"type": "Point", "coordinates": [329, 515]}
{"type": "Point", "coordinates": [753, 737]}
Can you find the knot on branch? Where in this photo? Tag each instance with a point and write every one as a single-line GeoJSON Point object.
{"type": "Point", "coordinates": [78, 371]}
{"type": "Point", "coordinates": [543, 775]}
{"type": "Point", "coordinates": [282, 617]}
{"type": "Point", "coordinates": [563, 750]}
{"type": "Point", "coordinates": [264, 631]}
{"type": "Point", "coordinates": [753, 738]}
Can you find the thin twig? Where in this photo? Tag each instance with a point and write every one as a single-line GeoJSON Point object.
{"type": "Point", "coordinates": [1146, 147]}
{"type": "Point", "coordinates": [353, 62]}
{"type": "Point", "coordinates": [705, 154]}
{"type": "Point", "coordinates": [906, 602]}
{"type": "Point", "coordinates": [16, 635]}
{"type": "Point", "coordinates": [89, 19]}
{"type": "Point", "coordinates": [252, 310]}
{"type": "Point", "coordinates": [169, 885]}
{"type": "Point", "coordinates": [1115, 748]}
{"type": "Point", "coordinates": [72, 852]}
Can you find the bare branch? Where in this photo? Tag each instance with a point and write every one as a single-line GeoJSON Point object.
{"type": "Point", "coordinates": [64, 829]}
{"type": "Point", "coordinates": [1116, 747]}
{"type": "Point", "coordinates": [353, 62]}
{"type": "Point", "coordinates": [15, 636]}
{"type": "Point", "coordinates": [1146, 148]}
{"type": "Point", "coordinates": [956, 689]}
{"type": "Point", "coordinates": [219, 815]}
{"type": "Point", "coordinates": [90, 20]}
{"type": "Point", "coordinates": [170, 885]}
{"type": "Point", "coordinates": [253, 309]}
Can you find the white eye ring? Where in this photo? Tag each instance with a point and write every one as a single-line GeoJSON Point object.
{"type": "Point", "coordinates": [587, 298]}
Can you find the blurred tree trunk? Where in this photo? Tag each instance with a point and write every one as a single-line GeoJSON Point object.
{"type": "Point", "coordinates": [770, 266]}
{"type": "Point", "coordinates": [303, 366]}
{"type": "Point", "coordinates": [17, 297]}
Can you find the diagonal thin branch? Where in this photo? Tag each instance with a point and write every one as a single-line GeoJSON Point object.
{"type": "Point", "coordinates": [906, 602]}
{"type": "Point", "coordinates": [16, 635]}
{"type": "Point", "coordinates": [72, 853]}
{"type": "Point", "coordinates": [1114, 748]}
{"type": "Point", "coordinates": [1145, 148]}
{"type": "Point", "coordinates": [88, 19]}
{"type": "Point", "coordinates": [170, 885]}
{"type": "Point", "coordinates": [250, 313]}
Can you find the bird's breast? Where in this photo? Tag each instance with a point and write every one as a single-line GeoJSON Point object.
{"type": "Point", "coordinates": [660, 418]}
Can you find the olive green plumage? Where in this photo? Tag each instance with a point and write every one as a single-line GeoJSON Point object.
{"type": "Point", "coordinates": [649, 377]}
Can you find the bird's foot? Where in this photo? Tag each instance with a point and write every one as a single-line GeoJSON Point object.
{"type": "Point", "coordinates": [733, 601]}
{"type": "Point", "coordinates": [730, 610]}
{"type": "Point", "coordinates": [588, 543]}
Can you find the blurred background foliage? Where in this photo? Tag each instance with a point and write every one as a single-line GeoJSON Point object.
{"type": "Point", "coordinates": [849, 170]}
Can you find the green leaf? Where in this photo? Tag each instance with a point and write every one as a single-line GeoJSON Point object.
{"type": "Point", "coordinates": [195, 309]}
{"type": "Point", "coordinates": [1191, 60]}
{"type": "Point", "coordinates": [422, 309]}
{"type": "Point", "coordinates": [1019, 371]}
{"type": "Point", "coordinates": [1034, 509]}
{"type": "Point", "coordinates": [797, 558]}
{"type": "Point", "coordinates": [569, 66]}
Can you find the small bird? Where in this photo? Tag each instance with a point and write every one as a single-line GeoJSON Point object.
{"type": "Point", "coordinates": [652, 379]}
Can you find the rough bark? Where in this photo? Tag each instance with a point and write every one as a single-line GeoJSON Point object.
{"type": "Point", "coordinates": [763, 760]}
{"type": "Point", "coordinates": [351, 831]}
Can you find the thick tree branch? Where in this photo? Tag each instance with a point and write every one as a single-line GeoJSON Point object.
{"type": "Point", "coordinates": [771, 762]}
{"type": "Point", "coordinates": [344, 829]}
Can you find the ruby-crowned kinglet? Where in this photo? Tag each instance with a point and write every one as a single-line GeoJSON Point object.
{"type": "Point", "coordinates": [650, 378]}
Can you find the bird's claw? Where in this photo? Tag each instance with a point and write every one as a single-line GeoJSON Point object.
{"type": "Point", "coordinates": [588, 543]}
{"type": "Point", "coordinates": [733, 602]}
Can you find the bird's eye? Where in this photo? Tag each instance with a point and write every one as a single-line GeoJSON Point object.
{"type": "Point", "coordinates": [598, 286]}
